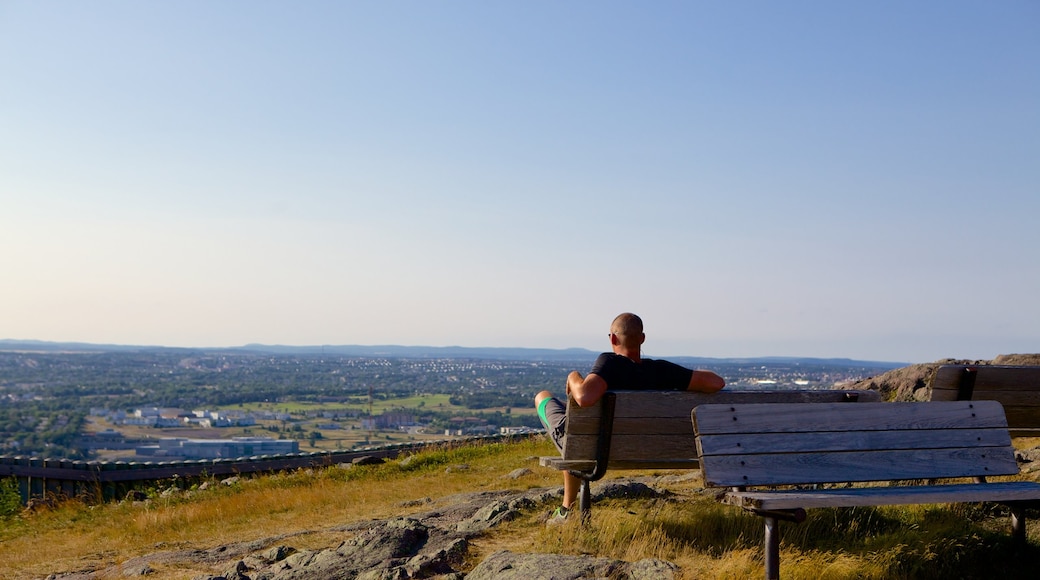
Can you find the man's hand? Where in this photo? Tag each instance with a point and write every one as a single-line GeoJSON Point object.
{"type": "Point", "coordinates": [574, 377]}
{"type": "Point", "coordinates": [705, 382]}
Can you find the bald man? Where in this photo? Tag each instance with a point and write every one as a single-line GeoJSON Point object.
{"type": "Point", "coordinates": [623, 369]}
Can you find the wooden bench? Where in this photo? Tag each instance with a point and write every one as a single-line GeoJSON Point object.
{"type": "Point", "coordinates": [1017, 388]}
{"type": "Point", "coordinates": [768, 445]}
{"type": "Point", "coordinates": [651, 429]}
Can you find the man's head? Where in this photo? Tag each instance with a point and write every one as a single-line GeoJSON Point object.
{"type": "Point", "coordinates": [626, 334]}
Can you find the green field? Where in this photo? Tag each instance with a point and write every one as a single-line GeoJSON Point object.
{"type": "Point", "coordinates": [433, 402]}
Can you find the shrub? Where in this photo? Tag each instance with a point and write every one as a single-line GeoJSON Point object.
{"type": "Point", "coordinates": [10, 498]}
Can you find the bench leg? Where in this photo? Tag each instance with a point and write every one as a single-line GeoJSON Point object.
{"type": "Point", "coordinates": [584, 501]}
{"type": "Point", "coordinates": [772, 548]}
{"type": "Point", "coordinates": [1018, 524]}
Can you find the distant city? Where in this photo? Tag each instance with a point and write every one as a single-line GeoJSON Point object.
{"type": "Point", "coordinates": [82, 401]}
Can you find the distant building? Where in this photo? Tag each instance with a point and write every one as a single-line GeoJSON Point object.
{"type": "Point", "coordinates": [389, 420]}
{"type": "Point", "coordinates": [151, 422]}
{"type": "Point", "coordinates": [179, 447]}
{"type": "Point", "coordinates": [204, 418]}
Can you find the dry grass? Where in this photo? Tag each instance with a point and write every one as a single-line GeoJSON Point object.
{"type": "Point", "coordinates": [312, 502]}
{"type": "Point", "coordinates": [705, 539]}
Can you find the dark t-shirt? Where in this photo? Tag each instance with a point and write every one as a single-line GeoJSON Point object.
{"type": "Point", "coordinates": [623, 374]}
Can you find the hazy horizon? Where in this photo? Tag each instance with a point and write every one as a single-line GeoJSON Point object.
{"type": "Point", "coordinates": [811, 179]}
{"type": "Point", "coordinates": [333, 348]}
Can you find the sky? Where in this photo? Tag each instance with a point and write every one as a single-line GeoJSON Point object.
{"type": "Point", "coordinates": [754, 178]}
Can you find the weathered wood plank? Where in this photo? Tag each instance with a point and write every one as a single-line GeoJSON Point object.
{"type": "Point", "coordinates": [831, 467]}
{"type": "Point", "coordinates": [1016, 387]}
{"type": "Point", "coordinates": [989, 377]}
{"type": "Point", "coordinates": [690, 463]}
{"type": "Point", "coordinates": [1021, 395]}
{"type": "Point", "coordinates": [586, 466]}
{"type": "Point", "coordinates": [1025, 432]}
{"type": "Point", "coordinates": [561, 463]}
{"type": "Point", "coordinates": [1023, 417]}
{"type": "Point", "coordinates": [633, 426]}
{"type": "Point", "coordinates": [878, 496]}
{"type": "Point", "coordinates": [1010, 397]}
{"type": "Point", "coordinates": [943, 394]}
{"type": "Point", "coordinates": [642, 447]}
{"type": "Point", "coordinates": [753, 443]}
{"type": "Point", "coordinates": [793, 418]}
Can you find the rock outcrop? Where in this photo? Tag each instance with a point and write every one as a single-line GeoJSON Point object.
{"type": "Point", "coordinates": [1026, 360]}
{"type": "Point", "coordinates": [433, 544]}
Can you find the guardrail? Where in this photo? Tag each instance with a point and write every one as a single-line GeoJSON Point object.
{"type": "Point", "coordinates": [109, 480]}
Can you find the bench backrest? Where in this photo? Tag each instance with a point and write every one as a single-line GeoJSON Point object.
{"type": "Point", "coordinates": [783, 444]}
{"type": "Point", "coordinates": [1017, 388]}
{"type": "Point", "coordinates": [651, 429]}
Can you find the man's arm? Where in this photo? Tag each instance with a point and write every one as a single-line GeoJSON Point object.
{"type": "Point", "coordinates": [705, 382]}
{"type": "Point", "coordinates": [586, 390]}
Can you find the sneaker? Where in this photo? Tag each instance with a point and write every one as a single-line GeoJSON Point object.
{"type": "Point", "coordinates": [558, 517]}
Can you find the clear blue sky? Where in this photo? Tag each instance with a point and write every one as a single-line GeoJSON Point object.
{"type": "Point", "coordinates": [834, 179]}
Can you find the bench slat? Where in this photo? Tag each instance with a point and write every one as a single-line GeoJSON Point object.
{"type": "Point", "coordinates": [634, 426]}
{"type": "Point", "coordinates": [989, 377]}
{"type": "Point", "coordinates": [559, 463]}
{"type": "Point", "coordinates": [830, 467]}
{"type": "Point", "coordinates": [1022, 396]}
{"type": "Point", "coordinates": [766, 418]}
{"type": "Point", "coordinates": [1015, 387]}
{"type": "Point", "coordinates": [744, 443]}
{"type": "Point", "coordinates": [1023, 417]}
{"type": "Point", "coordinates": [877, 496]}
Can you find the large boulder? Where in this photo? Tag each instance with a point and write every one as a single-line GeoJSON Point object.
{"type": "Point", "coordinates": [396, 548]}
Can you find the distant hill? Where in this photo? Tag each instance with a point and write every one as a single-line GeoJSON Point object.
{"type": "Point", "coordinates": [398, 351]}
{"type": "Point", "coordinates": [45, 346]}
{"type": "Point", "coordinates": [691, 361]}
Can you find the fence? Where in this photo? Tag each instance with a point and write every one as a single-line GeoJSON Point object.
{"type": "Point", "coordinates": [108, 480]}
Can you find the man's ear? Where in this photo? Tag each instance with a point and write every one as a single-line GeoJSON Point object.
{"type": "Point", "coordinates": [642, 337]}
{"type": "Point", "coordinates": [614, 340]}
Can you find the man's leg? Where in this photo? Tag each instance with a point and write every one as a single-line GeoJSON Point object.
{"type": "Point", "coordinates": [552, 412]}
{"type": "Point", "coordinates": [571, 485]}
{"type": "Point", "coordinates": [541, 396]}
